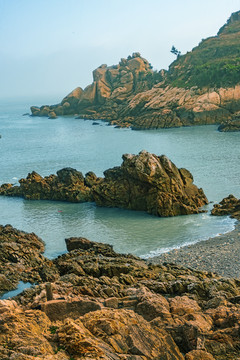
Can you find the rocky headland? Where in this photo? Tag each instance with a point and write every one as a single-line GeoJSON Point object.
{"type": "Point", "coordinates": [145, 182]}
{"type": "Point", "coordinates": [200, 87]}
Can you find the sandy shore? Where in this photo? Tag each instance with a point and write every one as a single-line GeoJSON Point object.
{"type": "Point", "coordinates": [220, 254]}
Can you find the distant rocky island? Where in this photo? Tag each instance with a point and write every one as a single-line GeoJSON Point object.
{"type": "Point", "coordinates": [145, 182]}
{"type": "Point", "coordinates": [200, 87]}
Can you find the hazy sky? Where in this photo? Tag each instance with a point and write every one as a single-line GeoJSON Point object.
{"type": "Point", "coordinates": [49, 47]}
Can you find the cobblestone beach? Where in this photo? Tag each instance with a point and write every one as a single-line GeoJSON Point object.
{"type": "Point", "coordinates": [220, 254]}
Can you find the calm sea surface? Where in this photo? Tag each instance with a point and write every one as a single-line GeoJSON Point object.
{"type": "Point", "coordinates": [46, 146]}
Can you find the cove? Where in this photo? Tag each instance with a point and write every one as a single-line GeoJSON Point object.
{"type": "Point", "coordinates": [46, 146]}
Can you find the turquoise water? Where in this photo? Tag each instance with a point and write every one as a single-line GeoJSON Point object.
{"type": "Point", "coordinates": [46, 146]}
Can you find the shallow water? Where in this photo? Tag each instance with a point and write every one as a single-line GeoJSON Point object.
{"type": "Point", "coordinates": [46, 146]}
{"type": "Point", "coordinates": [21, 286]}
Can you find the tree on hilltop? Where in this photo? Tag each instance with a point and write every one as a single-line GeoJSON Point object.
{"type": "Point", "coordinates": [175, 51]}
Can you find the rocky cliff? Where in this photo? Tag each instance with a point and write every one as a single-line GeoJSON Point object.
{"type": "Point", "coordinates": [109, 306]}
{"type": "Point", "coordinates": [200, 87]}
{"type": "Point", "coordinates": [143, 182]}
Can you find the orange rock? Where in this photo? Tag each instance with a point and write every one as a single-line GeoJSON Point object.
{"type": "Point", "coordinates": [199, 355]}
{"type": "Point", "coordinates": [182, 305]}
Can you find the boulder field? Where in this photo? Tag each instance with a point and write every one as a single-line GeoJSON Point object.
{"type": "Point", "coordinates": [93, 303]}
{"type": "Point", "coordinates": [145, 182]}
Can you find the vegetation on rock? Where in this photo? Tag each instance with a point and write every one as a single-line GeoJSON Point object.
{"type": "Point", "coordinates": [214, 63]}
{"type": "Point", "coordinates": [200, 87]}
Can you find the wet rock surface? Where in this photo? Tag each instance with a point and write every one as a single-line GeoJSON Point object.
{"type": "Point", "coordinates": [113, 306]}
{"type": "Point", "coordinates": [144, 182]}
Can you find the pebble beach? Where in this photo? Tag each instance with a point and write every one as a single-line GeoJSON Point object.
{"type": "Point", "coordinates": [220, 255]}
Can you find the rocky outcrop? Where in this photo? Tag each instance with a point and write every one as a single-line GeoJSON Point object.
{"type": "Point", "coordinates": [200, 87]}
{"type": "Point", "coordinates": [228, 206]}
{"type": "Point", "coordinates": [144, 182]}
{"type": "Point", "coordinates": [231, 126]}
{"type": "Point", "coordinates": [21, 259]}
{"type": "Point", "coordinates": [112, 306]}
{"type": "Point", "coordinates": [167, 106]}
{"type": "Point", "coordinates": [150, 183]}
{"type": "Point", "coordinates": [111, 87]}
{"type": "Point", "coordinates": [68, 185]}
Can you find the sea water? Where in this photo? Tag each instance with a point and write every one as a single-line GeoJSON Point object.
{"type": "Point", "coordinates": [33, 143]}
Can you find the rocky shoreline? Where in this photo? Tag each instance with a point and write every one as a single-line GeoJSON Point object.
{"type": "Point", "coordinates": [219, 254]}
{"type": "Point", "coordinates": [93, 303]}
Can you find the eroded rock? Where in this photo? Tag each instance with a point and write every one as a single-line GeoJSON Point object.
{"type": "Point", "coordinates": [150, 183]}
{"type": "Point", "coordinates": [144, 182]}
{"type": "Point", "coordinates": [228, 206]}
{"type": "Point", "coordinates": [114, 306]}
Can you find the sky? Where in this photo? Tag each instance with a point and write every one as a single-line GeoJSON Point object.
{"type": "Point", "coordinates": [49, 47]}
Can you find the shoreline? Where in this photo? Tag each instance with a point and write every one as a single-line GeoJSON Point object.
{"type": "Point", "coordinates": [220, 254]}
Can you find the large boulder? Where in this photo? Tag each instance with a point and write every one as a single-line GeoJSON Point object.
{"type": "Point", "coordinates": [149, 183]}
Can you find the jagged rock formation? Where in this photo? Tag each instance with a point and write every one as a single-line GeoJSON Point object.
{"type": "Point", "coordinates": [228, 206]}
{"type": "Point", "coordinates": [151, 183]}
{"type": "Point", "coordinates": [111, 87]}
{"type": "Point", "coordinates": [68, 185]}
{"type": "Point", "coordinates": [111, 306]}
{"type": "Point", "coordinates": [144, 182]}
{"type": "Point", "coordinates": [21, 259]}
{"type": "Point", "coordinates": [201, 87]}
